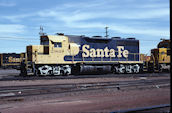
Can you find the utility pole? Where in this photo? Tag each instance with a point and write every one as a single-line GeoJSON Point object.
{"type": "Point", "coordinates": [106, 32]}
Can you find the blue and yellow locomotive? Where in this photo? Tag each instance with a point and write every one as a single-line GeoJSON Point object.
{"type": "Point", "coordinates": [69, 54]}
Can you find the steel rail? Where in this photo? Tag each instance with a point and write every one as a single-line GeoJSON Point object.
{"type": "Point", "coordinates": [12, 77]}
{"type": "Point", "coordinates": [62, 88]}
{"type": "Point", "coordinates": [109, 82]}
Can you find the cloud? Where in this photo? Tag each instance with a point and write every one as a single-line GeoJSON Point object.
{"type": "Point", "coordinates": [144, 30]}
{"type": "Point", "coordinates": [99, 14]}
{"type": "Point", "coordinates": [84, 5]}
{"type": "Point", "coordinates": [144, 14]}
{"type": "Point", "coordinates": [73, 15]}
{"type": "Point", "coordinates": [122, 28]}
{"type": "Point", "coordinates": [143, 19]}
{"type": "Point", "coordinates": [7, 4]}
{"type": "Point", "coordinates": [11, 28]}
{"type": "Point", "coordinates": [80, 11]}
{"type": "Point", "coordinates": [153, 6]}
{"type": "Point", "coordinates": [18, 17]}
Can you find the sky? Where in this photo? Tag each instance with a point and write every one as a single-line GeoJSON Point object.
{"type": "Point", "coordinates": [20, 21]}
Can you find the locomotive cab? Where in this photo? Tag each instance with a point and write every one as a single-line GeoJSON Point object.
{"type": "Point", "coordinates": [48, 57]}
{"type": "Point", "coordinates": [49, 50]}
{"type": "Point", "coordinates": [39, 55]}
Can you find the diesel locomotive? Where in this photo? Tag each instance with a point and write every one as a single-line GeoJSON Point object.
{"type": "Point", "coordinates": [69, 54]}
{"type": "Point", "coordinates": [160, 57]}
{"type": "Point", "coordinates": [11, 60]}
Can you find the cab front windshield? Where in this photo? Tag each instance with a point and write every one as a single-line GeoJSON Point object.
{"type": "Point", "coordinates": [44, 40]}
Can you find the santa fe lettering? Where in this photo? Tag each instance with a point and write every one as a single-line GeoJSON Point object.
{"type": "Point", "coordinates": [106, 52]}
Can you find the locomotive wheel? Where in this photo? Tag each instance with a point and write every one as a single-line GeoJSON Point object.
{"type": "Point", "coordinates": [76, 70]}
{"type": "Point", "coordinates": [36, 72]}
{"type": "Point", "coordinates": [67, 73]}
{"type": "Point", "coordinates": [160, 69]}
{"type": "Point", "coordinates": [121, 72]}
{"type": "Point", "coordinates": [62, 73]}
{"type": "Point", "coordinates": [114, 69]}
{"type": "Point", "coordinates": [122, 69]}
{"type": "Point", "coordinates": [128, 69]}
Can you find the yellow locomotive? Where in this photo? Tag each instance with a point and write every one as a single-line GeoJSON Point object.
{"type": "Point", "coordinates": [160, 57]}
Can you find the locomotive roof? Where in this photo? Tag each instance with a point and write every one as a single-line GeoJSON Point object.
{"type": "Point", "coordinates": [164, 44]}
{"type": "Point", "coordinates": [81, 38]}
{"type": "Point", "coordinates": [76, 38]}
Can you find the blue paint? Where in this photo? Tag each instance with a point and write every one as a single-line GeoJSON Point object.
{"type": "Point", "coordinates": [131, 45]}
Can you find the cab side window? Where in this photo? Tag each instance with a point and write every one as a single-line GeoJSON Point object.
{"type": "Point", "coordinates": [57, 44]}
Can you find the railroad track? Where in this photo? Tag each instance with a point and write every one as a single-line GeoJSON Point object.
{"type": "Point", "coordinates": [31, 90]}
{"type": "Point", "coordinates": [16, 77]}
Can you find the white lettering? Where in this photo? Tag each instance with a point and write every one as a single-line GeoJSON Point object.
{"type": "Point", "coordinates": [100, 52]}
{"type": "Point", "coordinates": [125, 53]}
{"type": "Point", "coordinates": [119, 51]}
{"type": "Point", "coordinates": [112, 53]}
{"type": "Point", "coordinates": [87, 52]}
{"type": "Point", "coordinates": [92, 52]}
{"type": "Point", "coordinates": [84, 49]}
{"type": "Point", "coordinates": [106, 50]}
